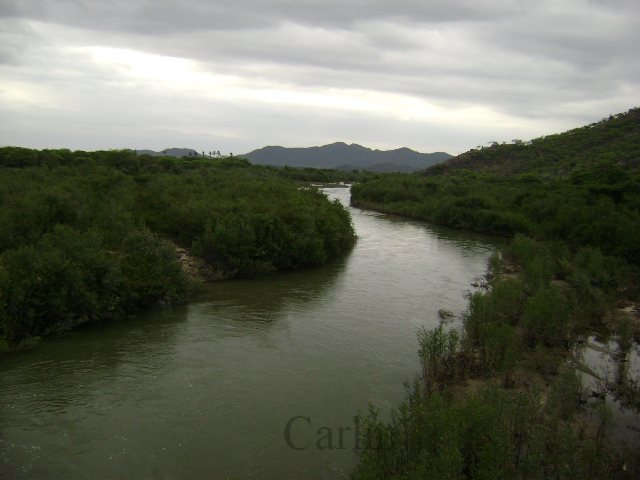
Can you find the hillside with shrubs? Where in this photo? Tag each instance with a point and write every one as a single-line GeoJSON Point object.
{"type": "Point", "coordinates": [500, 395]}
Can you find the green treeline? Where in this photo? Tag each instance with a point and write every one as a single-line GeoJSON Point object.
{"type": "Point", "coordinates": [320, 175]}
{"type": "Point", "coordinates": [500, 398]}
{"type": "Point", "coordinates": [600, 207]}
{"type": "Point", "coordinates": [595, 202]}
{"type": "Point", "coordinates": [89, 236]}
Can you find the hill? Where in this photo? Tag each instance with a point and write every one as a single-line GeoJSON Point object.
{"type": "Point", "coordinates": [341, 156]}
{"type": "Point", "coordinates": [571, 201]}
{"type": "Point", "coordinates": [615, 139]}
{"type": "Point", "coordinates": [171, 152]}
{"type": "Point", "coordinates": [581, 186]}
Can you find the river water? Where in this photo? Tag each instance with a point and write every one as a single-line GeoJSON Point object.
{"type": "Point", "coordinates": [207, 390]}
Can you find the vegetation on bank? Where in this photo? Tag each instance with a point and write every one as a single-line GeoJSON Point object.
{"type": "Point", "coordinates": [90, 236]}
{"type": "Point", "coordinates": [323, 176]}
{"type": "Point", "coordinates": [566, 186]}
{"type": "Point", "coordinates": [501, 398]}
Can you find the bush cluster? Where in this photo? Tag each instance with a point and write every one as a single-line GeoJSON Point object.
{"type": "Point", "coordinates": [92, 236]}
{"type": "Point", "coordinates": [571, 202]}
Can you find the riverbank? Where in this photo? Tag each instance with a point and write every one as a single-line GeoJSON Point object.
{"type": "Point", "coordinates": [92, 236]}
{"type": "Point", "coordinates": [205, 389]}
{"type": "Point", "coordinates": [569, 201]}
{"type": "Point", "coordinates": [504, 398]}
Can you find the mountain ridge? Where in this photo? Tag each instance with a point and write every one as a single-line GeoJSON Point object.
{"type": "Point", "coordinates": [170, 152]}
{"type": "Point", "coordinates": [343, 156]}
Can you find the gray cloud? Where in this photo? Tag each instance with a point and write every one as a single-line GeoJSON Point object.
{"type": "Point", "coordinates": [476, 69]}
{"type": "Point", "coordinates": [174, 16]}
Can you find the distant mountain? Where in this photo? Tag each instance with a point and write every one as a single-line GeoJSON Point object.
{"type": "Point", "coordinates": [170, 152]}
{"type": "Point", "coordinates": [341, 156]}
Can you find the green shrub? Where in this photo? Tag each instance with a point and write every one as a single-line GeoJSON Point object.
{"type": "Point", "coordinates": [151, 271]}
{"type": "Point", "coordinates": [546, 318]}
{"type": "Point", "coordinates": [87, 235]}
{"type": "Point", "coordinates": [64, 279]}
{"type": "Point", "coordinates": [600, 269]}
{"type": "Point", "coordinates": [437, 353]}
{"type": "Point", "coordinates": [501, 348]}
{"type": "Point", "coordinates": [490, 325]}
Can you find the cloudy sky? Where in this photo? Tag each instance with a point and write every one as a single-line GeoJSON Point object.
{"type": "Point", "coordinates": [431, 75]}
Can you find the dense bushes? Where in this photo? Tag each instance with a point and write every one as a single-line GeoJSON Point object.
{"type": "Point", "coordinates": [92, 235]}
{"type": "Point", "coordinates": [150, 269]}
{"type": "Point", "coordinates": [521, 418]}
{"type": "Point", "coordinates": [489, 434]}
{"type": "Point", "coordinates": [68, 278]}
{"type": "Point", "coordinates": [571, 204]}
{"type": "Point", "coordinates": [569, 186]}
{"type": "Point", "coordinates": [246, 221]}
{"type": "Point", "coordinates": [546, 318]}
{"type": "Point", "coordinates": [505, 206]}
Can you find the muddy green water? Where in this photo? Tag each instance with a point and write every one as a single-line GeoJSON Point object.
{"type": "Point", "coordinates": [206, 390]}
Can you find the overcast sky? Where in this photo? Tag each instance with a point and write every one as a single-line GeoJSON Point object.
{"type": "Point", "coordinates": [431, 75]}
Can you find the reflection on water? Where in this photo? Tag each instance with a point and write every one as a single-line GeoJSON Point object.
{"type": "Point", "coordinates": [205, 391]}
{"type": "Point", "coordinates": [611, 374]}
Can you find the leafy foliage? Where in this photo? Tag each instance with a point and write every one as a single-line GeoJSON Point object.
{"type": "Point", "coordinates": [582, 186]}
{"type": "Point", "coordinates": [92, 236]}
{"type": "Point", "coordinates": [601, 151]}
{"type": "Point", "coordinates": [571, 204]}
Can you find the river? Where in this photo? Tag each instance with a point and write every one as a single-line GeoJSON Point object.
{"type": "Point", "coordinates": [207, 390]}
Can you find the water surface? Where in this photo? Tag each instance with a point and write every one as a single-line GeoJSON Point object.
{"type": "Point", "coordinates": [206, 390]}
